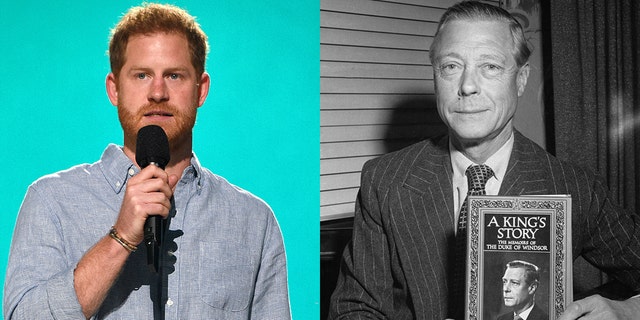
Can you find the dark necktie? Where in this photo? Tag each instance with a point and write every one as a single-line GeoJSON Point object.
{"type": "Point", "coordinates": [477, 177]}
{"type": "Point", "coordinates": [517, 317]}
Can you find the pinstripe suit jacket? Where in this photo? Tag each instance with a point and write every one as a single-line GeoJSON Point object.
{"type": "Point", "coordinates": [396, 265]}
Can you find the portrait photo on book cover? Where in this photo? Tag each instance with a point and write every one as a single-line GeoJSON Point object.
{"type": "Point", "coordinates": [523, 285]}
{"type": "Point", "coordinates": [518, 257]}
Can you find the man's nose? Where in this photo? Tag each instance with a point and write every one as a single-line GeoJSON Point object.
{"type": "Point", "coordinates": [468, 83]}
{"type": "Point", "coordinates": [158, 91]}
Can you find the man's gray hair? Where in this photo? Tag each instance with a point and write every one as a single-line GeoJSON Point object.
{"type": "Point", "coordinates": [478, 11]}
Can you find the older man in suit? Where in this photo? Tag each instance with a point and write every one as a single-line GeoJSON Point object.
{"type": "Point", "coordinates": [519, 286]}
{"type": "Point", "coordinates": [400, 263]}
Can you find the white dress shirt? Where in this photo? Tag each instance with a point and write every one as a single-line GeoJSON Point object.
{"type": "Point", "coordinates": [459, 162]}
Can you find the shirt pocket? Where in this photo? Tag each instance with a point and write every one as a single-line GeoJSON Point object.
{"type": "Point", "coordinates": [226, 275]}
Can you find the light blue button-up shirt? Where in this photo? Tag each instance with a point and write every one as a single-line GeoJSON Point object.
{"type": "Point", "coordinates": [224, 258]}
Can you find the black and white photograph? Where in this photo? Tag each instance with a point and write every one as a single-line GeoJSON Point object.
{"type": "Point", "coordinates": [426, 102]}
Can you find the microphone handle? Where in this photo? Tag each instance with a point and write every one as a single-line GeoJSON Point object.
{"type": "Point", "coordinates": [153, 236]}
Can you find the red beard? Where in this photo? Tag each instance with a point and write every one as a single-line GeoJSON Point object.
{"type": "Point", "coordinates": [177, 131]}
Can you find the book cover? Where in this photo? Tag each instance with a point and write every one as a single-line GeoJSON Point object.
{"type": "Point", "coordinates": [519, 256]}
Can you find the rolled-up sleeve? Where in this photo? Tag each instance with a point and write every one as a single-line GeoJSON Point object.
{"type": "Point", "coordinates": [271, 298]}
{"type": "Point", "coordinates": [39, 279]}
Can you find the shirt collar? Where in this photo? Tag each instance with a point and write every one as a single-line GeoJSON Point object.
{"type": "Point", "coordinates": [525, 314]}
{"type": "Point", "coordinates": [193, 173]}
{"type": "Point", "coordinates": [498, 161]}
{"type": "Point", "coordinates": [117, 168]}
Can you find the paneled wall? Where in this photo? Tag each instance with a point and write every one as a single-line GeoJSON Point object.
{"type": "Point", "coordinates": [376, 88]}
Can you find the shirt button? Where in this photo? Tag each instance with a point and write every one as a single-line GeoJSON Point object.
{"type": "Point", "coordinates": [131, 171]}
{"type": "Point", "coordinates": [118, 184]}
{"type": "Point", "coordinates": [169, 302]}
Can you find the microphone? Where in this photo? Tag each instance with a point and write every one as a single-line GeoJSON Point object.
{"type": "Point", "coordinates": [152, 148]}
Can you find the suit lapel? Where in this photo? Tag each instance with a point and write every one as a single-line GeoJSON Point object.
{"type": "Point", "coordinates": [430, 177]}
{"type": "Point", "coordinates": [526, 174]}
{"type": "Point", "coordinates": [423, 227]}
{"type": "Point", "coordinates": [430, 174]}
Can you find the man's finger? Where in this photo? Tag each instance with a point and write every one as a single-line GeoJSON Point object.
{"type": "Point", "coordinates": [573, 311]}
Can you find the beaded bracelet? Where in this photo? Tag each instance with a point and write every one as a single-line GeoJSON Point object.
{"type": "Point", "coordinates": [114, 234]}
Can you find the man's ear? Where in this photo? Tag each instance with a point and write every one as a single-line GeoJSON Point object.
{"type": "Point", "coordinates": [523, 76]}
{"type": "Point", "coordinates": [112, 88]}
{"type": "Point", "coordinates": [203, 88]}
{"type": "Point", "coordinates": [533, 287]}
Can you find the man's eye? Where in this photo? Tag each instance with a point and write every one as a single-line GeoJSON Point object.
{"type": "Point", "coordinates": [493, 68]}
{"type": "Point", "coordinates": [141, 76]}
{"type": "Point", "coordinates": [449, 66]}
{"type": "Point", "coordinates": [449, 69]}
{"type": "Point", "coordinates": [174, 76]}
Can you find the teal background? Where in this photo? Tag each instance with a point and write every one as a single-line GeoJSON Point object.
{"type": "Point", "coordinates": [258, 127]}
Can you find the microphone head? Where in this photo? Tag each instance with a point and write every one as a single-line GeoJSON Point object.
{"type": "Point", "coordinates": [152, 146]}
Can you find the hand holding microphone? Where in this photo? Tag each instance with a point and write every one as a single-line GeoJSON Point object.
{"type": "Point", "coordinates": [147, 199]}
{"type": "Point", "coordinates": [152, 148]}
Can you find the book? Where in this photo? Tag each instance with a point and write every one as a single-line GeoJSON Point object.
{"type": "Point", "coordinates": [510, 239]}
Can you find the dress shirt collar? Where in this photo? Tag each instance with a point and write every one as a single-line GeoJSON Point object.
{"type": "Point", "coordinates": [459, 162]}
{"type": "Point", "coordinates": [117, 168]}
{"type": "Point", "coordinates": [498, 162]}
{"type": "Point", "coordinates": [525, 314]}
